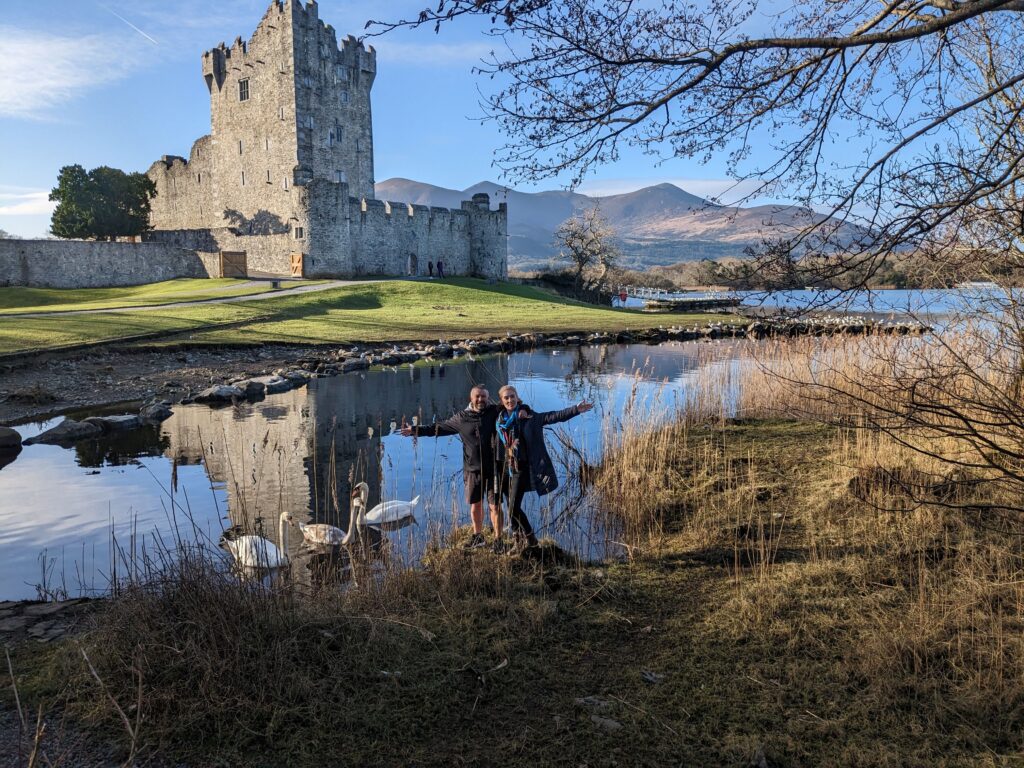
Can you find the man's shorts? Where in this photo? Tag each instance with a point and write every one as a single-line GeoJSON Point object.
{"type": "Point", "coordinates": [478, 487]}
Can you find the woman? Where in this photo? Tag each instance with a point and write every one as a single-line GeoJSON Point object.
{"type": "Point", "coordinates": [522, 457]}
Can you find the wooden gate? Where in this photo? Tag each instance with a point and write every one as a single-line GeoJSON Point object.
{"type": "Point", "coordinates": [233, 264]}
{"type": "Point", "coordinates": [297, 265]}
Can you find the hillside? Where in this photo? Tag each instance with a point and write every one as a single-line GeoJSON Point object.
{"type": "Point", "coordinates": [656, 225]}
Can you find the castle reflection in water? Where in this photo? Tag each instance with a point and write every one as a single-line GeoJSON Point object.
{"type": "Point", "coordinates": [302, 451]}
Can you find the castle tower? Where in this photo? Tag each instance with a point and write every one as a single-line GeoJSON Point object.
{"type": "Point", "coordinates": [287, 107]}
{"type": "Point", "coordinates": [286, 175]}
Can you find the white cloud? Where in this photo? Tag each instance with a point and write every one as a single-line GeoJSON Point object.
{"type": "Point", "coordinates": [26, 203]}
{"type": "Point", "coordinates": [39, 72]}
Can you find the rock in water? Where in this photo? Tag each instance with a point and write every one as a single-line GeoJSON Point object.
{"type": "Point", "coordinates": [219, 393]}
{"type": "Point", "coordinates": [68, 431]}
{"type": "Point", "coordinates": [122, 423]}
{"type": "Point", "coordinates": [154, 413]}
{"type": "Point", "coordinates": [10, 440]}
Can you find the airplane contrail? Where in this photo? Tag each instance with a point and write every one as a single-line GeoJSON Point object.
{"type": "Point", "coordinates": [122, 18]}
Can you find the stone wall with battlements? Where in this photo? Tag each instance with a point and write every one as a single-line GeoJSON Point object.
{"type": "Point", "coordinates": [90, 264]}
{"type": "Point", "coordinates": [352, 236]}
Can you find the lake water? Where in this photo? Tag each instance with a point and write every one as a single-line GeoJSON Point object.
{"type": "Point", "coordinates": [928, 306]}
{"type": "Point", "coordinates": [72, 520]}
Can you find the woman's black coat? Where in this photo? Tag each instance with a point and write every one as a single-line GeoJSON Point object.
{"type": "Point", "coordinates": [543, 479]}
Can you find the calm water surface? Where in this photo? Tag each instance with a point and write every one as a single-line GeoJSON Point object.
{"type": "Point", "coordinates": [74, 519]}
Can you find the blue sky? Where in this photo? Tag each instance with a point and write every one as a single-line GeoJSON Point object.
{"type": "Point", "coordinates": [106, 82]}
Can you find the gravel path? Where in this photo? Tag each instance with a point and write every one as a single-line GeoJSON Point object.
{"type": "Point", "coordinates": [196, 302]}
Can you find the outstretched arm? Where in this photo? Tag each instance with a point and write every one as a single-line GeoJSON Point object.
{"type": "Point", "coordinates": [554, 417]}
{"type": "Point", "coordinates": [444, 428]}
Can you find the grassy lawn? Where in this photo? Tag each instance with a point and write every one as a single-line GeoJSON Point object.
{"type": "Point", "coordinates": [382, 311]}
{"type": "Point", "coordinates": [15, 301]}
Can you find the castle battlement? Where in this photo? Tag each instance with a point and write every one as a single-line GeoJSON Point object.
{"type": "Point", "coordinates": [288, 164]}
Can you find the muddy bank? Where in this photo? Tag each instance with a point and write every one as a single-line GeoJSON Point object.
{"type": "Point", "coordinates": [56, 382]}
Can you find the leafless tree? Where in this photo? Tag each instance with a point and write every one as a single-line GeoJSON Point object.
{"type": "Point", "coordinates": [586, 241]}
{"type": "Point", "coordinates": [869, 111]}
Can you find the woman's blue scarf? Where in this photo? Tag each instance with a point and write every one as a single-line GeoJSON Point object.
{"type": "Point", "coordinates": [508, 433]}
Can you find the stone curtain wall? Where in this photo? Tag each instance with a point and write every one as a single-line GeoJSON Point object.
{"type": "Point", "coordinates": [349, 236]}
{"type": "Point", "coordinates": [89, 264]}
{"type": "Point", "coordinates": [270, 254]}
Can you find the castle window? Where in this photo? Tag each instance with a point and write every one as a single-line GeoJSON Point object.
{"type": "Point", "coordinates": [284, 182]}
{"type": "Point", "coordinates": [243, 90]}
{"type": "Point", "coordinates": [309, 121]}
{"type": "Point", "coordinates": [199, 178]}
{"type": "Point", "coordinates": [268, 178]}
{"type": "Point", "coordinates": [243, 178]}
{"type": "Point", "coordinates": [266, 144]}
{"type": "Point", "coordinates": [280, 112]}
{"type": "Point", "coordinates": [239, 146]}
{"type": "Point", "coordinates": [339, 177]}
{"type": "Point", "coordinates": [299, 234]}
{"type": "Point", "coordinates": [330, 139]}
{"type": "Point", "coordinates": [344, 97]}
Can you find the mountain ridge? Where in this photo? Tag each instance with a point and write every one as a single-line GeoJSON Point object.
{"type": "Point", "coordinates": [657, 225]}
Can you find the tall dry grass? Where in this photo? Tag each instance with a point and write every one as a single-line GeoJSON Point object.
{"type": "Point", "coordinates": [890, 536]}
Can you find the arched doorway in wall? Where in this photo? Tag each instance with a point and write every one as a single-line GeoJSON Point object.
{"type": "Point", "coordinates": [412, 265]}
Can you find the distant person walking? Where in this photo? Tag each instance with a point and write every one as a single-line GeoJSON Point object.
{"type": "Point", "coordinates": [523, 463]}
{"type": "Point", "coordinates": [475, 426]}
{"type": "Point", "coordinates": [430, 268]}
{"type": "Point", "coordinates": [440, 269]}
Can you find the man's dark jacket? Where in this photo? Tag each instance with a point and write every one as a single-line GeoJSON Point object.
{"type": "Point", "coordinates": [476, 428]}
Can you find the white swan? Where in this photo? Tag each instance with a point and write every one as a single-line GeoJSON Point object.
{"type": "Point", "coordinates": [324, 535]}
{"type": "Point", "coordinates": [392, 513]}
{"type": "Point", "coordinates": [259, 554]}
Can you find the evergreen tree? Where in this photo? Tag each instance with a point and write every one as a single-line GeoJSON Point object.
{"type": "Point", "coordinates": [103, 203]}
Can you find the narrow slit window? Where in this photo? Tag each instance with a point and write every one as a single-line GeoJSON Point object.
{"type": "Point", "coordinates": [243, 90]}
{"type": "Point", "coordinates": [239, 146]}
{"type": "Point", "coordinates": [243, 178]}
{"type": "Point", "coordinates": [266, 144]}
{"type": "Point", "coordinates": [268, 177]}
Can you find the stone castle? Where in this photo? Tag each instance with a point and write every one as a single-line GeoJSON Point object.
{"type": "Point", "coordinates": [286, 174]}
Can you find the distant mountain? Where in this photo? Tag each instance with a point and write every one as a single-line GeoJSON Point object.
{"type": "Point", "coordinates": [656, 225]}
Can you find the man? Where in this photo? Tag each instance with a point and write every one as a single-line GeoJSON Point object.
{"type": "Point", "coordinates": [440, 269]}
{"type": "Point", "coordinates": [475, 426]}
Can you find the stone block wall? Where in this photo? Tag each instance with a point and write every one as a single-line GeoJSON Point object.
{"type": "Point", "coordinates": [351, 236]}
{"type": "Point", "coordinates": [269, 254]}
{"type": "Point", "coordinates": [89, 264]}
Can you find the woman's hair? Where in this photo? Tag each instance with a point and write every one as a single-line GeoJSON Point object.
{"type": "Point", "coordinates": [507, 388]}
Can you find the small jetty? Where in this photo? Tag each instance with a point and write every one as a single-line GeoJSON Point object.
{"type": "Point", "coordinates": [660, 301]}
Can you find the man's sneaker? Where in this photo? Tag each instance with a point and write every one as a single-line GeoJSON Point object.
{"type": "Point", "coordinates": [502, 546]}
{"type": "Point", "coordinates": [476, 541]}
